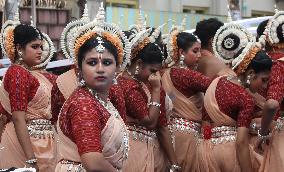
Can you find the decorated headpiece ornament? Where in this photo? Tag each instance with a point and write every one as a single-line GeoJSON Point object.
{"type": "Point", "coordinates": [241, 63]}
{"type": "Point", "coordinates": [68, 31]}
{"type": "Point", "coordinates": [7, 37]}
{"type": "Point", "coordinates": [141, 23]}
{"type": "Point", "coordinates": [171, 42]}
{"type": "Point", "coordinates": [143, 38]}
{"type": "Point", "coordinates": [229, 40]}
{"type": "Point", "coordinates": [270, 33]}
{"type": "Point", "coordinates": [9, 48]}
{"type": "Point", "coordinates": [165, 38]}
{"type": "Point", "coordinates": [172, 47]}
{"type": "Point", "coordinates": [101, 29]}
{"type": "Point", "coordinates": [48, 49]}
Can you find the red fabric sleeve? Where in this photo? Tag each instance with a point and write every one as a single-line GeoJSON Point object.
{"type": "Point", "coordinates": [87, 126]}
{"type": "Point", "coordinates": [234, 101]}
{"type": "Point", "coordinates": [188, 81]}
{"type": "Point", "coordinates": [276, 82]}
{"type": "Point", "coordinates": [136, 103]}
{"type": "Point", "coordinates": [162, 121]}
{"type": "Point", "coordinates": [21, 87]}
{"type": "Point", "coordinates": [246, 109]}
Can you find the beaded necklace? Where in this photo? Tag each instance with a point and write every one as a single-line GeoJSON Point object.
{"type": "Point", "coordinates": [113, 111]}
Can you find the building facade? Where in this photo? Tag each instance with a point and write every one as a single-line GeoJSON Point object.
{"type": "Point", "coordinates": [246, 8]}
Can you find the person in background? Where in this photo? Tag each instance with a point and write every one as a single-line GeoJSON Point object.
{"type": "Point", "coordinates": [272, 40]}
{"type": "Point", "coordinates": [144, 98]}
{"type": "Point", "coordinates": [92, 133]}
{"type": "Point", "coordinates": [208, 64]}
{"type": "Point", "coordinates": [184, 86]}
{"type": "Point", "coordinates": [28, 137]}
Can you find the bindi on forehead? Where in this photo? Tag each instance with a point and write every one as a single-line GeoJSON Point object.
{"type": "Point", "coordinates": [100, 56]}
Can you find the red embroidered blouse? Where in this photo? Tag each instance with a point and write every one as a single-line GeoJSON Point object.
{"type": "Point", "coordinates": [21, 86]}
{"type": "Point", "coordinates": [189, 82]}
{"type": "Point", "coordinates": [276, 83]}
{"type": "Point", "coordinates": [234, 101]}
{"type": "Point", "coordinates": [57, 101]}
{"type": "Point", "coordinates": [136, 100]}
{"type": "Point", "coordinates": [82, 119]}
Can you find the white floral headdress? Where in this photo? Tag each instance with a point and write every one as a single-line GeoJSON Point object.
{"type": "Point", "coordinates": [68, 31]}
{"type": "Point", "coordinates": [141, 23]}
{"type": "Point", "coordinates": [229, 40]}
{"type": "Point", "coordinates": [9, 49]}
{"type": "Point", "coordinates": [171, 42]}
{"type": "Point", "coordinates": [7, 37]}
{"type": "Point", "coordinates": [270, 32]}
{"type": "Point", "coordinates": [108, 31]}
{"type": "Point", "coordinates": [143, 38]}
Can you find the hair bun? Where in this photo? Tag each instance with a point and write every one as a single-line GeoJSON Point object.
{"type": "Point", "coordinates": [229, 39]}
{"type": "Point", "coordinates": [231, 42]}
